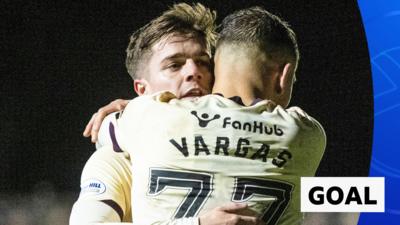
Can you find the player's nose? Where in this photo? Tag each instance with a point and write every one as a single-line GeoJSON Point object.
{"type": "Point", "coordinates": [192, 71]}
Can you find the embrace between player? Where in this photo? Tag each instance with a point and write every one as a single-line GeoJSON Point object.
{"type": "Point", "coordinates": [191, 157]}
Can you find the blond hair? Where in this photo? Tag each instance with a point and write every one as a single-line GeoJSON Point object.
{"type": "Point", "coordinates": [192, 21]}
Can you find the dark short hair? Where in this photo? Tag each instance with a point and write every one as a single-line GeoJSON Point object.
{"type": "Point", "coordinates": [192, 21]}
{"type": "Point", "coordinates": [257, 26]}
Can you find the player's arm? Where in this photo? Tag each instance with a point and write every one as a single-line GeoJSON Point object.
{"type": "Point", "coordinates": [93, 127]}
{"type": "Point", "coordinates": [105, 189]}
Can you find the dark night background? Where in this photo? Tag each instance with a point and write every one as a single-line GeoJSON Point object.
{"type": "Point", "coordinates": [62, 61]}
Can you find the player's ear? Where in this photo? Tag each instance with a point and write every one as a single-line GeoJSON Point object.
{"type": "Point", "coordinates": [140, 86]}
{"type": "Point", "coordinates": [284, 84]}
{"type": "Point", "coordinates": [286, 76]}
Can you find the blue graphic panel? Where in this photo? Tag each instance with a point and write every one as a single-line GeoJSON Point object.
{"type": "Point", "coordinates": [382, 26]}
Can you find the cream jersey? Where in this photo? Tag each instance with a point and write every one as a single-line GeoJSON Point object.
{"type": "Point", "coordinates": [105, 189]}
{"type": "Point", "coordinates": [190, 156]}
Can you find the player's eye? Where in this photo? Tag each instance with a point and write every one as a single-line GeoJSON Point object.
{"type": "Point", "coordinates": [205, 63]}
{"type": "Point", "coordinates": [173, 66]}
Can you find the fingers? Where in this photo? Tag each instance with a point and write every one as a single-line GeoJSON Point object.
{"type": "Point", "coordinates": [229, 214]}
{"type": "Point", "coordinates": [114, 106]}
{"type": "Point", "coordinates": [232, 207]}
{"type": "Point", "coordinates": [88, 128]}
{"type": "Point", "coordinates": [233, 219]}
{"type": "Point", "coordinates": [247, 220]}
{"type": "Point", "coordinates": [240, 215]}
{"type": "Point", "coordinates": [93, 127]}
{"type": "Point", "coordinates": [122, 103]}
{"type": "Point", "coordinates": [99, 117]}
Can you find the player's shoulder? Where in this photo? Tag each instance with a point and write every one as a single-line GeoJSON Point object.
{"type": "Point", "coordinates": [308, 125]}
{"type": "Point", "coordinates": [303, 118]}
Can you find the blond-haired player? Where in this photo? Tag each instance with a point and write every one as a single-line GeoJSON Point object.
{"type": "Point", "coordinates": [181, 37]}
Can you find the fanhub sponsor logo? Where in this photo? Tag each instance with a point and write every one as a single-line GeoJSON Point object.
{"type": "Point", "coordinates": [342, 194]}
{"type": "Point", "coordinates": [203, 121]}
{"type": "Point", "coordinates": [249, 126]}
{"type": "Point", "coordinates": [254, 126]}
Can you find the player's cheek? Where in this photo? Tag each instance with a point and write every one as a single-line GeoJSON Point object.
{"type": "Point", "coordinates": [207, 77]}
{"type": "Point", "coordinates": [210, 81]}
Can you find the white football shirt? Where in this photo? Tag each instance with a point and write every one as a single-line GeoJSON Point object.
{"type": "Point", "coordinates": [190, 156]}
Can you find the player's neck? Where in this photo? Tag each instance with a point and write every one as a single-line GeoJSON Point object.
{"type": "Point", "coordinates": [238, 73]}
{"type": "Point", "coordinates": [230, 86]}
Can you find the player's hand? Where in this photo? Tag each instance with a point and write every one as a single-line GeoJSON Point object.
{"type": "Point", "coordinates": [230, 214]}
{"type": "Point", "coordinates": [93, 127]}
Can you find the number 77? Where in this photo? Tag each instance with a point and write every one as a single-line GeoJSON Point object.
{"type": "Point", "coordinates": [200, 186]}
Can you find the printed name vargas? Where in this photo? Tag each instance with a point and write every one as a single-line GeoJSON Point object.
{"type": "Point", "coordinates": [242, 149]}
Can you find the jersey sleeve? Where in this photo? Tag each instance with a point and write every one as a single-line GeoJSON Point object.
{"type": "Point", "coordinates": [106, 180]}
